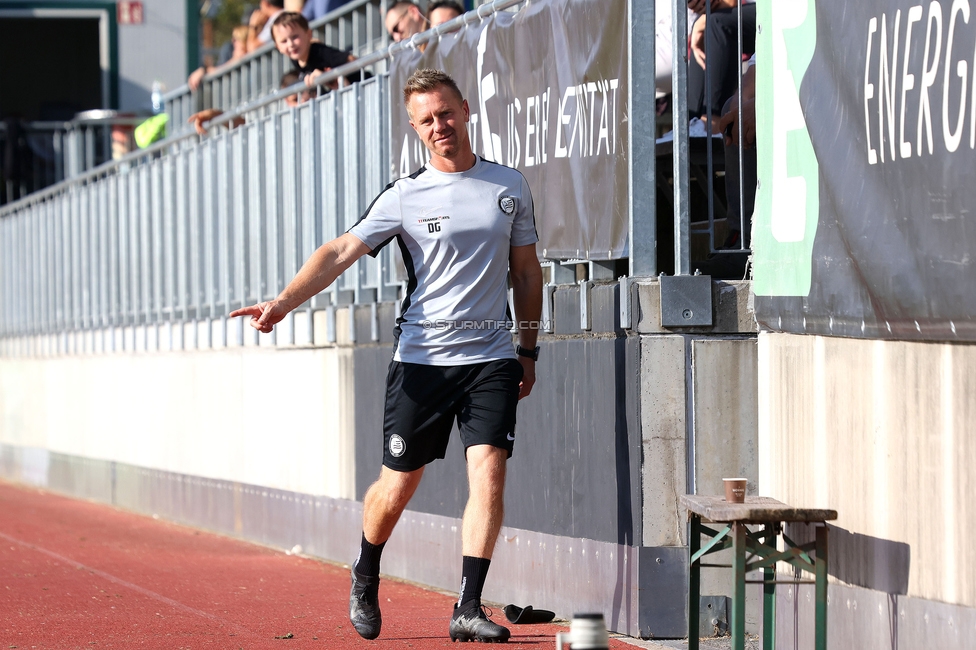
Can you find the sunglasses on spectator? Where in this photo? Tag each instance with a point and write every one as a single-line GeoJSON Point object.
{"type": "Point", "coordinates": [396, 26]}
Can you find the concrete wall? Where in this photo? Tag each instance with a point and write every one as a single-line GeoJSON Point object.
{"type": "Point", "coordinates": [881, 431]}
{"type": "Point", "coordinates": [276, 438]}
{"type": "Point", "coordinates": [263, 416]}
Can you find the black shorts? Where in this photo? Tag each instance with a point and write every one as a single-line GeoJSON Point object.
{"type": "Point", "coordinates": [422, 403]}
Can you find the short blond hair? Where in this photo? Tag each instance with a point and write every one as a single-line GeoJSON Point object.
{"type": "Point", "coordinates": [427, 80]}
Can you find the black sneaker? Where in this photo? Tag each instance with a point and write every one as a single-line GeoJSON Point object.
{"type": "Point", "coordinates": [364, 605]}
{"type": "Point", "coordinates": [472, 624]}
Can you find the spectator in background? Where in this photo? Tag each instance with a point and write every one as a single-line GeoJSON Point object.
{"type": "Point", "coordinates": [404, 19]}
{"type": "Point", "coordinates": [740, 179]}
{"type": "Point", "coordinates": [442, 11]}
{"type": "Point", "coordinates": [293, 38]}
{"type": "Point", "coordinates": [315, 9]}
{"type": "Point", "coordinates": [664, 43]}
{"type": "Point", "coordinates": [259, 25]}
{"type": "Point", "coordinates": [289, 79]}
{"type": "Point", "coordinates": [237, 48]}
{"type": "Point", "coordinates": [721, 33]}
{"type": "Point", "coordinates": [201, 119]}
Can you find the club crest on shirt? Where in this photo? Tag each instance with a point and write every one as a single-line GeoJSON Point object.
{"type": "Point", "coordinates": [507, 204]}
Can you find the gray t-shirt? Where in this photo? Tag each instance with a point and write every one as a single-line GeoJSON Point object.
{"type": "Point", "coordinates": [455, 232]}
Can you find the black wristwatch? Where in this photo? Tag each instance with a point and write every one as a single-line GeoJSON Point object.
{"type": "Point", "coordinates": [526, 352]}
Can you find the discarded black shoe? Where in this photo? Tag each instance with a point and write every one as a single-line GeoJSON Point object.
{"type": "Point", "coordinates": [471, 623]}
{"type": "Point", "coordinates": [527, 615]}
{"type": "Point", "coordinates": [364, 605]}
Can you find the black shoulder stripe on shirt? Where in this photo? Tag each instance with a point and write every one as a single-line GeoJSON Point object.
{"type": "Point", "coordinates": [411, 288]}
{"type": "Point", "coordinates": [376, 251]}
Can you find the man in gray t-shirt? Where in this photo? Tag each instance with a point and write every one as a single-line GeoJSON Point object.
{"type": "Point", "coordinates": [464, 226]}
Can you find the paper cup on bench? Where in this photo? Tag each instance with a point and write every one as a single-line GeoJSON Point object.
{"type": "Point", "coordinates": [735, 489]}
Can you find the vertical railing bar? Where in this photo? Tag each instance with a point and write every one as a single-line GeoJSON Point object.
{"type": "Point", "coordinates": [194, 215]}
{"type": "Point", "coordinates": [10, 227]}
{"type": "Point", "coordinates": [740, 153]}
{"type": "Point", "coordinates": [710, 162]}
{"type": "Point", "coordinates": [210, 198]}
{"type": "Point", "coordinates": [103, 252]}
{"type": "Point", "coordinates": [30, 272]}
{"type": "Point", "coordinates": [222, 239]}
{"type": "Point", "coordinates": [255, 289]}
{"type": "Point", "coordinates": [169, 236]}
{"type": "Point", "coordinates": [89, 264]}
{"type": "Point", "coordinates": [126, 271]}
{"type": "Point", "coordinates": [145, 242]}
{"type": "Point", "coordinates": [290, 187]}
{"type": "Point", "coordinates": [77, 310]}
{"type": "Point", "coordinates": [182, 288]}
{"type": "Point", "coordinates": [44, 274]}
{"type": "Point", "coordinates": [114, 270]}
{"type": "Point", "coordinates": [679, 109]}
{"type": "Point", "coordinates": [272, 173]}
{"type": "Point", "coordinates": [4, 284]}
{"type": "Point", "coordinates": [239, 153]}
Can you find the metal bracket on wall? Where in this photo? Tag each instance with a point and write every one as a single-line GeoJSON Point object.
{"type": "Point", "coordinates": [584, 301]}
{"type": "Point", "coordinates": [624, 293]}
{"type": "Point", "coordinates": [374, 322]}
{"type": "Point", "coordinates": [547, 313]}
{"type": "Point", "coordinates": [713, 616]}
{"type": "Point", "coordinates": [686, 300]}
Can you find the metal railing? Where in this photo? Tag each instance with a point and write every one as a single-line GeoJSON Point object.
{"type": "Point", "coordinates": [189, 228]}
{"type": "Point", "coordinates": [724, 175]}
{"type": "Point", "coordinates": [39, 154]}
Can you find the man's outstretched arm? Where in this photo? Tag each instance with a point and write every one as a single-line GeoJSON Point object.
{"type": "Point", "coordinates": [526, 276]}
{"type": "Point", "coordinates": [319, 271]}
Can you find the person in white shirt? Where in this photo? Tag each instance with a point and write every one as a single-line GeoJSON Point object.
{"type": "Point", "coordinates": [464, 226]}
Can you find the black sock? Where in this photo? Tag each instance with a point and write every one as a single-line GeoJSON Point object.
{"type": "Point", "coordinates": [368, 562]}
{"type": "Point", "coordinates": [474, 570]}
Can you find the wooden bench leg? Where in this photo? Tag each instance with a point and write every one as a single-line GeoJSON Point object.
{"type": "Point", "coordinates": [739, 593]}
{"type": "Point", "coordinates": [769, 594]}
{"type": "Point", "coordinates": [694, 581]}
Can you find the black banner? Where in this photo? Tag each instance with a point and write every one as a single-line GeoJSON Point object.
{"type": "Point", "coordinates": [867, 144]}
{"type": "Point", "coordinates": [547, 89]}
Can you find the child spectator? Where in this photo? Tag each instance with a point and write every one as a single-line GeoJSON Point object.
{"type": "Point", "coordinates": [289, 79]}
{"type": "Point", "coordinates": [293, 38]}
{"type": "Point", "coordinates": [442, 11]}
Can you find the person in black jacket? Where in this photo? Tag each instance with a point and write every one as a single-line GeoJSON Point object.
{"type": "Point", "coordinates": [293, 38]}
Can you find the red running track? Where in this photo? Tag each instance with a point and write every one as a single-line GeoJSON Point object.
{"type": "Point", "coordinates": [77, 574]}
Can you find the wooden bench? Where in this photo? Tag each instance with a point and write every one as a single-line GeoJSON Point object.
{"type": "Point", "coordinates": [761, 546]}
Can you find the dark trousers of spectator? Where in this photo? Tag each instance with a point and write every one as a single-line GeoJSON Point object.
{"type": "Point", "coordinates": [724, 61]}
{"type": "Point", "coordinates": [740, 192]}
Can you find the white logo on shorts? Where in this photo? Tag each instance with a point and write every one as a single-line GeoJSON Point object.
{"type": "Point", "coordinates": [397, 446]}
{"type": "Point", "coordinates": [511, 437]}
